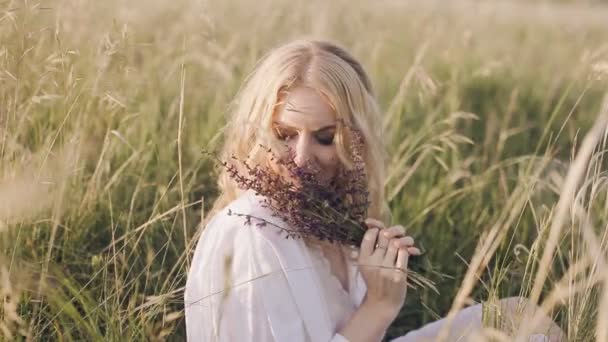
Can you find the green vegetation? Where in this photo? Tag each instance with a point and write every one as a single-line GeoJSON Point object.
{"type": "Point", "coordinates": [105, 107]}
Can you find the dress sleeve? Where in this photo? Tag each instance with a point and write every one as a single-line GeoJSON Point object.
{"type": "Point", "coordinates": [237, 289]}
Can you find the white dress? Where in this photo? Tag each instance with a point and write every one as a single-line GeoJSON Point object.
{"type": "Point", "coordinates": [249, 283]}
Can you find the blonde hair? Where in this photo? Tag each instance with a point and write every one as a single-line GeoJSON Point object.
{"type": "Point", "coordinates": [342, 81]}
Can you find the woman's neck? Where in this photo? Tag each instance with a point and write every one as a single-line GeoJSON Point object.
{"type": "Point", "coordinates": [334, 253]}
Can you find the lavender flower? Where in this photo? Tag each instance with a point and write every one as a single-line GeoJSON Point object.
{"type": "Point", "coordinates": [333, 211]}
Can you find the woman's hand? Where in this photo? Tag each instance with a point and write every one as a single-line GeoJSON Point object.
{"type": "Point", "coordinates": [382, 260]}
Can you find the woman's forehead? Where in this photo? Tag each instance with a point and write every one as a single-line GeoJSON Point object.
{"type": "Point", "coordinates": [304, 107]}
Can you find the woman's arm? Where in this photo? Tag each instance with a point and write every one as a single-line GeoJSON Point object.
{"type": "Point", "coordinates": [382, 261]}
{"type": "Point", "coordinates": [368, 323]}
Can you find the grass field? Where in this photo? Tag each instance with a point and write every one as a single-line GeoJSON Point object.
{"type": "Point", "coordinates": [105, 107]}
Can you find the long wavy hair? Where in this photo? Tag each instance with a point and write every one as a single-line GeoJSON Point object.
{"type": "Point", "coordinates": [339, 78]}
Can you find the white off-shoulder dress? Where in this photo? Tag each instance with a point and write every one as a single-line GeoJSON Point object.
{"type": "Point", "coordinates": [249, 283]}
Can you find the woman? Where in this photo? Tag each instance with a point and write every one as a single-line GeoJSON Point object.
{"type": "Point", "coordinates": [249, 283]}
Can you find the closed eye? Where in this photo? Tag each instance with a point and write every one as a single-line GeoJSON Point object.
{"type": "Point", "coordinates": [324, 136]}
{"type": "Point", "coordinates": [325, 139]}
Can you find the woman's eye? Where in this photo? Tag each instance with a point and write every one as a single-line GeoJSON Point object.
{"type": "Point", "coordinates": [325, 140]}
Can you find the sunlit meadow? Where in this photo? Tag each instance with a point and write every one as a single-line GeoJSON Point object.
{"type": "Point", "coordinates": [494, 122]}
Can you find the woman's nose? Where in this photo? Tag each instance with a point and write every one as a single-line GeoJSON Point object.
{"type": "Point", "coordinates": [303, 151]}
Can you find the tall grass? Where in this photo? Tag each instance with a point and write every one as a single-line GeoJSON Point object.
{"type": "Point", "coordinates": [497, 167]}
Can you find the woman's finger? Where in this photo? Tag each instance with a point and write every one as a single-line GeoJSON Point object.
{"type": "Point", "coordinates": [369, 242]}
{"type": "Point", "coordinates": [383, 241]}
{"type": "Point", "coordinates": [374, 223]}
{"type": "Point", "coordinates": [413, 251]}
{"type": "Point", "coordinates": [402, 259]}
{"type": "Point", "coordinates": [406, 241]}
{"type": "Point", "coordinates": [391, 254]}
{"type": "Point", "coordinates": [394, 231]}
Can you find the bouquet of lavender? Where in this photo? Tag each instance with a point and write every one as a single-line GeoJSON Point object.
{"type": "Point", "coordinates": [334, 212]}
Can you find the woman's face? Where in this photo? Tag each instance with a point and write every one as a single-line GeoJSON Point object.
{"type": "Point", "coordinates": [307, 124]}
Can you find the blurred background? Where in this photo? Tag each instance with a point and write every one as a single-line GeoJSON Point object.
{"type": "Point", "coordinates": [105, 107]}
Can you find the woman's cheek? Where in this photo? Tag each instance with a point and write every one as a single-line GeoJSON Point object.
{"type": "Point", "coordinates": [331, 164]}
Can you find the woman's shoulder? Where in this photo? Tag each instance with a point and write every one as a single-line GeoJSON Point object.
{"type": "Point", "coordinates": [244, 229]}
{"type": "Point", "coordinates": [231, 238]}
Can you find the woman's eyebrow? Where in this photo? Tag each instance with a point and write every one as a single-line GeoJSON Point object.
{"type": "Point", "coordinates": [290, 127]}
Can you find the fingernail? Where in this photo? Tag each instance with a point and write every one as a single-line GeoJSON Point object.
{"type": "Point", "coordinates": [414, 251]}
{"type": "Point", "coordinates": [354, 254]}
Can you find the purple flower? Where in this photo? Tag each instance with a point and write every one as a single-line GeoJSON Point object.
{"type": "Point", "coordinates": [334, 211]}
